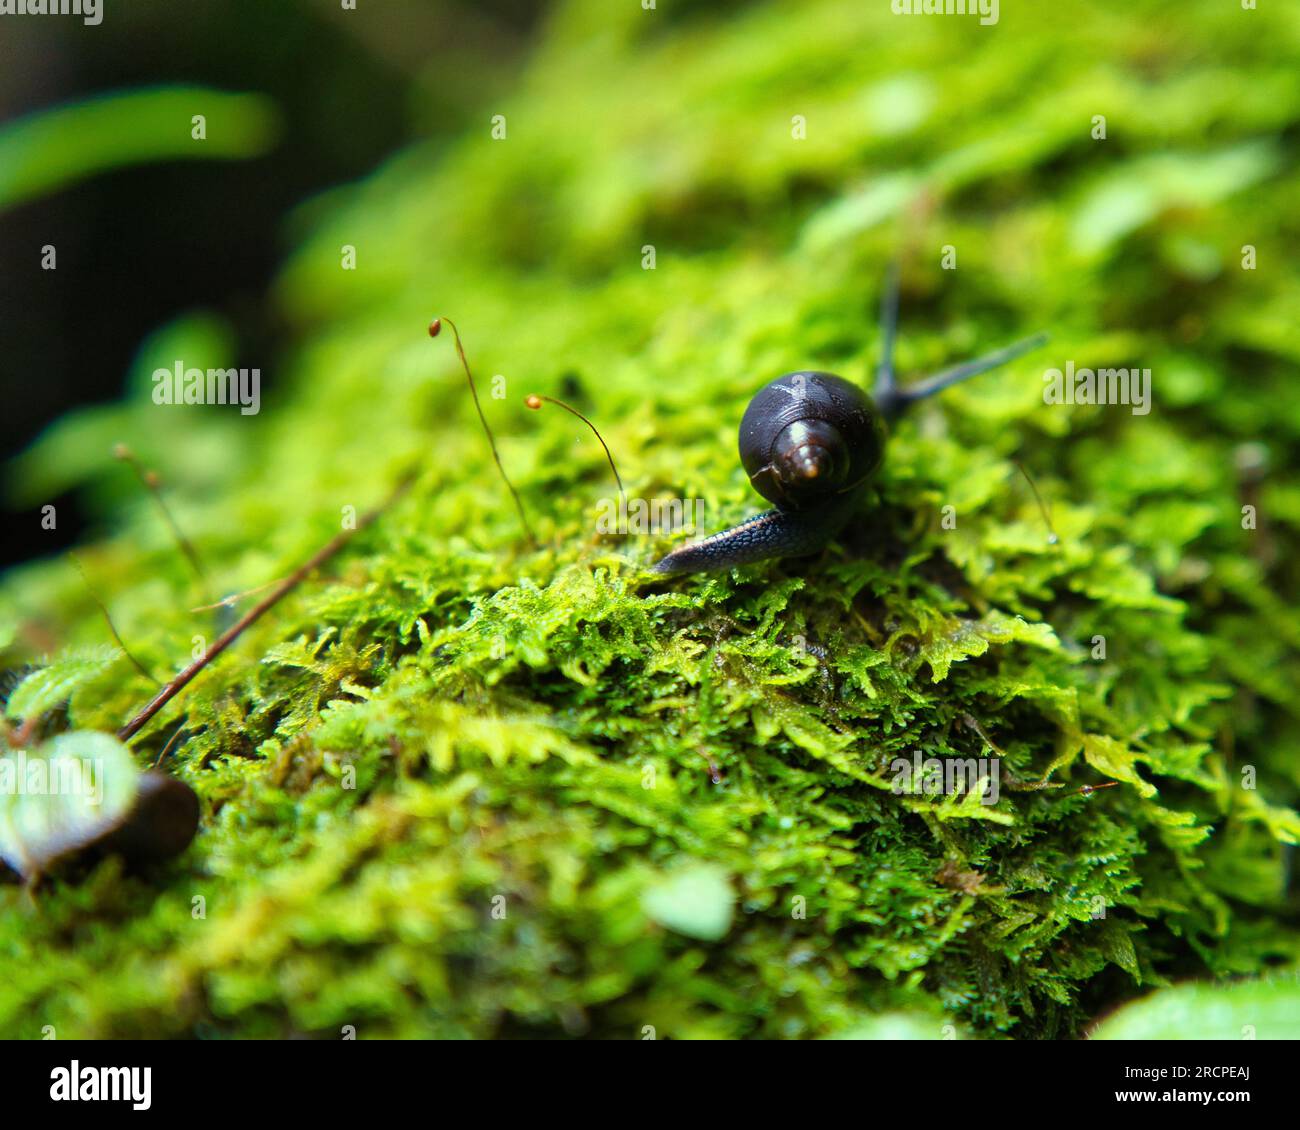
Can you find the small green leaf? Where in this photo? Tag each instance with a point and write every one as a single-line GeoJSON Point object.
{"type": "Point", "coordinates": [1246, 1011]}
{"type": "Point", "coordinates": [899, 1026]}
{"type": "Point", "coordinates": [966, 639]}
{"type": "Point", "coordinates": [54, 148]}
{"type": "Point", "coordinates": [1117, 945]}
{"type": "Point", "coordinates": [46, 688]}
{"type": "Point", "coordinates": [1112, 757]}
{"type": "Point", "coordinates": [62, 796]}
{"type": "Point", "coordinates": [696, 901]}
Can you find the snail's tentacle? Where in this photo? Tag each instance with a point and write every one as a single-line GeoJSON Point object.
{"type": "Point", "coordinates": [776, 533]}
{"type": "Point", "coordinates": [885, 393]}
{"type": "Point", "coordinates": [920, 390]}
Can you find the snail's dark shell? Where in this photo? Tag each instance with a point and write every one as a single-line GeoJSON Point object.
{"type": "Point", "coordinates": [809, 436]}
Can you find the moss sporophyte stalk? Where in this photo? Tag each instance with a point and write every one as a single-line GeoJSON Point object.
{"type": "Point", "coordinates": [482, 774]}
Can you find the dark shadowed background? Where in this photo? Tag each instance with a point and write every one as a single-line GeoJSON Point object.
{"type": "Point", "coordinates": [139, 245]}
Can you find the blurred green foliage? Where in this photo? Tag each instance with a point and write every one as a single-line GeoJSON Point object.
{"type": "Point", "coordinates": [534, 843]}
{"type": "Point", "coordinates": [1254, 1010]}
{"type": "Point", "coordinates": [50, 150]}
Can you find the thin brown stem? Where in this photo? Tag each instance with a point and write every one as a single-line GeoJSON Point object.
{"type": "Point", "coordinates": [108, 619]}
{"type": "Point", "coordinates": [715, 775]}
{"type": "Point", "coordinates": [534, 402]}
{"type": "Point", "coordinates": [328, 550]}
{"type": "Point", "coordinates": [1088, 790]}
{"type": "Point", "coordinates": [974, 724]}
{"type": "Point", "coordinates": [151, 482]}
{"type": "Point", "coordinates": [1014, 782]}
{"type": "Point", "coordinates": [234, 597]}
{"type": "Point", "coordinates": [170, 742]}
{"type": "Point", "coordinates": [434, 327]}
{"type": "Point", "coordinates": [1052, 539]}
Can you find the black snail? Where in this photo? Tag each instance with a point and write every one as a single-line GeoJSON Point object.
{"type": "Point", "coordinates": [808, 441]}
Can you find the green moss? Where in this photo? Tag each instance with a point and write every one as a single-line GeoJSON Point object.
{"type": "Point", "coordinates": [457, 787]}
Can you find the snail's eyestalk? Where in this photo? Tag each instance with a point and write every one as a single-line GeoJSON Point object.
{"type": "Point", "coordinates": [896, 399]}
{"type": "Point", "coordinates": [886, 391]}
{"type": "Point", "coordinates": [151, 482]}
{"type": "Point", "coordinates": [534, 401]}
{"type": "Point", "coordinates": [435, 328]}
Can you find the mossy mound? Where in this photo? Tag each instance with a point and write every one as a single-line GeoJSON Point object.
{"type": "Point", "coordinates": [535, 842]}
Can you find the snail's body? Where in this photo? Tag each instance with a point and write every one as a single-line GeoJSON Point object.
{"type": "Point", "coordinates": [808, 441]}
{"type": "Point", "coordinates": [774, 533]}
